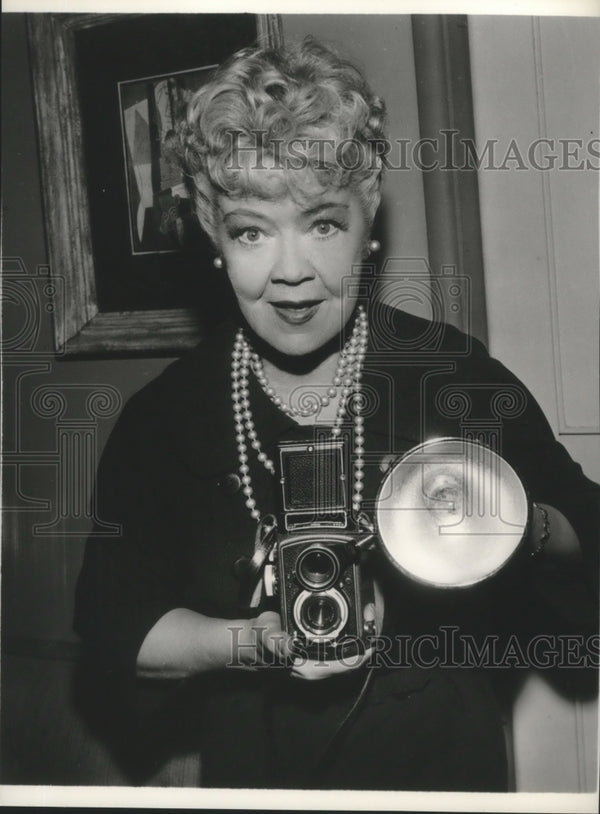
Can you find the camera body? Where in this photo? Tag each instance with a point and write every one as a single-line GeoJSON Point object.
{"type": "Point", "coordinates": [321, 592]}
{"type": "Point", "coordinates": [316, 568]}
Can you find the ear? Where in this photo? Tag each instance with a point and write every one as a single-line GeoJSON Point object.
{"type": "Point", "coordinates": [374, 205]}
{"type": "Point", "coordinates": [371, 246]}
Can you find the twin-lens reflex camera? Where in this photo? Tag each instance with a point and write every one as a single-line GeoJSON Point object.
{"type": "Point", "coordinates": [316, 565]}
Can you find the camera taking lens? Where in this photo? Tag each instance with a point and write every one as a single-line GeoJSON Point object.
{"type": "Point", "coordinates": [320, 615]}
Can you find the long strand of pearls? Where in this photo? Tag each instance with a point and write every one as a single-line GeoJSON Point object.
{"type": "Point", "coordinates": [358, 349]}
{"type": "Point", "coordinates": [242, 416]}
{"type": "Point", "coordinates": [348, 376]}
{"type": "Point", "coordinates": [347, 357]}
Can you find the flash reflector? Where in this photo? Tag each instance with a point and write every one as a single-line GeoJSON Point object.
{"type": "Point", "coordinates": [451, 512]}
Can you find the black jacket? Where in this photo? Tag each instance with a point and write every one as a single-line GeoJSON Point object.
{"type": "Point", "coordinates": [167, 477]}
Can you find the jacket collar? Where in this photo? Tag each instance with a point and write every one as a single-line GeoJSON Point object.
{"type": "Point", "coordinates": [197, 398]}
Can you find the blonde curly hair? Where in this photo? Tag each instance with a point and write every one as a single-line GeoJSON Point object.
{"type": "Point", "coordinates": [302, 109]}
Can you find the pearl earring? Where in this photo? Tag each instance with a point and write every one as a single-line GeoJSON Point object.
{"type": "Point", "coordinates": [374, 246]}
{"type": "Point", "coordinates": [218, 262]}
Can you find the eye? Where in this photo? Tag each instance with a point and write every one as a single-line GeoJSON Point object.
{"type": "Point", "coordinates": [326, 228]}
{"type": "Point", "coordinates": [251, 235]}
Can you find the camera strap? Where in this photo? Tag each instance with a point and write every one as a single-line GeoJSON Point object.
{"type": "Point", "coordinates": [248, 570]}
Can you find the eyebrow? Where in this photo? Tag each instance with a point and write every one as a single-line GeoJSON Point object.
{"type": "Point", "coordinates": [244, 212]}
{"type": "Point", "coordinates": [315, 210]}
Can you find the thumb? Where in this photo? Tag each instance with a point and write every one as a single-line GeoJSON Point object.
{"type": "Point", "coordinates": [270, 620]}
{"type": "Point", "coordinates": [273, 637]}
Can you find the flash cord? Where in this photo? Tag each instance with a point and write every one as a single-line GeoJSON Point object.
{"type": "Point", "coordinates": [327, 755]}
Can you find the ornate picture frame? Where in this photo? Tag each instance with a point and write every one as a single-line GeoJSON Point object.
{"type": "Point", "coordinates": [118, 302]}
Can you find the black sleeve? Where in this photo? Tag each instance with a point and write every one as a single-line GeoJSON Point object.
{"type": "Point", "coordinates": [129, 579]}
{"type": "Point", "coordinates": [557, 597]}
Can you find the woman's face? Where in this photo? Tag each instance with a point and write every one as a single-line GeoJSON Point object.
{"type": "Point", "coordinates": [287, 262]}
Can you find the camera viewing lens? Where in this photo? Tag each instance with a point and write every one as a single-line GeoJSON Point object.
{"type": "Point", "coordinates": [317, 568]}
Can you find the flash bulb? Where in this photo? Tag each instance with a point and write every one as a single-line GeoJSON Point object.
{"type": "Point", "coordinates": [451, 512]}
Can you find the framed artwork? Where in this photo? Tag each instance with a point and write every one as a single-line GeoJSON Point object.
{"type": "Point", "coordinates": [157, 197]}
{"type": "Point", "coordinates": [109, 90]}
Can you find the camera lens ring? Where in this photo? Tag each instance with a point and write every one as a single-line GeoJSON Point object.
{"type": "Point", "coordinates": [317, 568]}
{"type": "Point", "coordinates": [325, 601]}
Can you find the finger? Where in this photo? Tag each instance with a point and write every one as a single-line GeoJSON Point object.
{"type": "Point", "coordinates": [281, 644]}
{"type": "Point", "coordinates": [319, 670]}
{"type": "Point", "coordinates": [379, 605]}
{"type": "Point", "coordinates": [278, 644]}
{"type": "Point", "coordinates": [270, 620]}
{"type": "Point", "coordinates": [369, 612]}
{"type": "Point", "coordinates": [311, 671]}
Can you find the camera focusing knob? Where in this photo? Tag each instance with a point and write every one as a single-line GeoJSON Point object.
{"type": "Point", "coordinates": [270, 580]}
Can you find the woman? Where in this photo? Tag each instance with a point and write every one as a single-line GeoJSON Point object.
{"type": "Point", "coordinates": [282, 150]}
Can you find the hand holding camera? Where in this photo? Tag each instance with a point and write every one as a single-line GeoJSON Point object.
{"type": "Point", "coordinates": [273, 644]}
{"type": "Point", "coordinates": [276, 647]}
{"type": "Point", "coordinates": [316, 670]}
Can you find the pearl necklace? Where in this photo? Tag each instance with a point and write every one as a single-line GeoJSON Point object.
{"type": "Point", "coordinates": [348, 376]}
{"type": "Point", "coordinates": [312, 401]}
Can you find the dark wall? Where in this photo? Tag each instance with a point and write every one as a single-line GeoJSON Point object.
{"type": "Point", "coordinates": [40, 565]}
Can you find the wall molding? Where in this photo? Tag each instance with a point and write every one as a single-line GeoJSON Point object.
{"type": "Point", "coordinates": [564, 428]}
{"type": "Point", "coordinates": [445, 103]}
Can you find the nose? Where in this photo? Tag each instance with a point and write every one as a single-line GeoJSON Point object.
{"type": "Point", "coordinates": [292, 265]}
